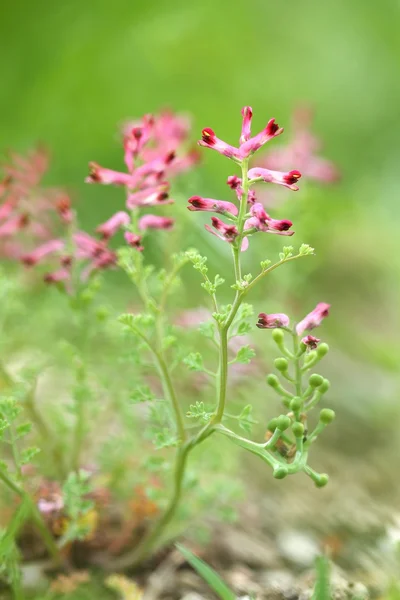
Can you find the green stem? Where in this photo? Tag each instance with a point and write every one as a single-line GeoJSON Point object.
{"type": "Point", "coordinates": [297, 365]}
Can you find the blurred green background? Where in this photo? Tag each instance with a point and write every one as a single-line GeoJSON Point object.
{"type": "Point", "coordinates": [72, 71]}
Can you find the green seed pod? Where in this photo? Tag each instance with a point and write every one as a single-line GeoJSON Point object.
{"type": "Point", "coordinates": [315, 380]}
{"type": "Point", "coordinates": [325, 386]}
{"type": "Point", "coordinates": [296, 403]}
{"type": "Point", "coordinates": [322, 480]}
{"type": "Point", "coordinates": [326, 416]}
{"type": "Point", "coordinates": [278, 336]}
{"type": "Point", "coordinates": [272, 380]}
{"type": "Point", "coordinates": [283, 422]}
{"type": "Point", "coordinates": [322, 350]}
{"type": "Point", "coordinates": [280, 472]}
{"type": "Point", "coordinates": [281, 364]}
{"type": "Point", "coordinates": [298, 429]}
{"type": "Point", "coordinates": [272, 425]}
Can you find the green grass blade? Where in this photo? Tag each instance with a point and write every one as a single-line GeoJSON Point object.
{"type": "Point", "coordinates": [208, 574]}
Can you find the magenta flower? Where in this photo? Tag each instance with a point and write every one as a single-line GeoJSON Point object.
{"type": "Point", "coordinates": [110, 227]}
{"type": "Point", "coordinates": [155, 222]}
{"type": "Point", "coordinates": [311, 342]}
{"type": "Point", "coordinates": [13, 225]}
{"type": "Point", "coordinates": [288, 179]}
{"type": "Point", "coordinates": [98, 174]}
{"type": "Point", "coordinates": [133, 240]}
{"type": "Point", "coordinates": [210, 205]}
{"type": "Point", "coordinates": [41, 252]}
{"type": "Point", "coordinates": [261, 221]}
{"type": "Point", "coordinates": [272, 321]}
{"type": "Point", "coordinates": [58, 276]}
{"type": "Point", "coordinates": [150, 196]}
{"type": "Point", "coordinates": [227, 233]}
{"type": "Point", "coordinates": [314, 318]}
{"type": "Point", "coordinates": [248, 145]}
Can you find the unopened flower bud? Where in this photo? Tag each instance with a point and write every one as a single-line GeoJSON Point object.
{"type": "Point", "coordinates": [278, 336]}
{"type": "Point", "coordinates": [296, 403]}
{"type": "Point", "coordinates": [326, 416]}
{"type": "Point", "coordinates": [280, 472]}
{"type": "Point", "coordinates": [325, 386]}
{"type": "Point", "coordinates": [298, 429]}
{"type": "Point", "coordinates": [281, 364]}
{"type": "Point", "coordinates": [273, 424]}
{"type": "Point", "coordinates": [283, 422]}
{"type": "Point", "coordinates": [322, 480]}
{"type": "Point", "coordinates": [322, 350]}
{"type": "Point", "coordinates": [315, 380]}
{"type": "Point", "coordinates": [272, 380]}
{"type": "Point", "coordinates": [310, 357]}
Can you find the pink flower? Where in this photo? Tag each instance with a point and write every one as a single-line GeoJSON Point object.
{"type": "Point", "coordinates": [63, 206]}
{"type": "Point", "coordinates": [314, 318]}
{"type": "Point", "coordinates": [13, 225]}
{"type": "Point", "coordinates": [136, 136]}
{"type": "Point", "coordinates": [247, 114]}
{"type": "Point", "coordinates": [57, 276]}
{"type": "Point", "coordinates": [150, 196]}
{"type": "Point", "coordinates": [209, 204]}
{"type": "Point", "coordinates": [234, 182]}
{"type": "Point", "coordinates": [155, 222]}
{"type": "Point", "coordinates": [99, 174]}
{"type": "Point", "coordinates": [227, 233]}
{"type": "Point", "coordinates": [272, 321]}
{"type": "Point", "coordinates": [41, 252]}
{"type": "Point", "coordinates": [110, 227]}
{"type": "Point", "coordinates": [210, 140]}
{"type": "Point", "coordinates": [135, 241]}
{"type": "Point", "coordinates": [253, 144]}
{"type": "Point", "coordinates": [311, 342]}
{"type": "Point", "coordinates": [261, 221]}
{"type": "Point", "coordinates": [288, 179]}
{"type": "Point", "coordinates": [88, 246]}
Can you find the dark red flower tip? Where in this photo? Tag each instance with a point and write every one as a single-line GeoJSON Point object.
{"type": "Point", "coordinates": [292, 177]}
{"type": "Point", "coordinates": [24, 220]}
{"type": "Point", "coordinates": [271, 127]}
{"type": "Point", "coordinates": [66, 261]}
{"type": "Point", "coordinates": [208, 136]}
{"type": "Point", "coordinates": [197, 201]}
{"type": "Point", "coordinates": [233, 181]}
{"type": "Point", "coordinates": [283, 225]}
{"type": "Point", "coordinates": [170, 157]}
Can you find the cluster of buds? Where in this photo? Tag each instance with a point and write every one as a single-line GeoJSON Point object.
{"type": "Point", "coordinates": [250, 217]}
{"type": "Point", "coordinates": [306, 353]}
{"type": "Point", "coordinates": [154, 151]}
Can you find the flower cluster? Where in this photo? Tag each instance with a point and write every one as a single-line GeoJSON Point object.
{"type": "Point", "coordinates": [154, 150]}
{"type": "Point", "coordinates": [251, 217]}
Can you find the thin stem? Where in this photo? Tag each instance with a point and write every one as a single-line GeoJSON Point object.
{"type": "Point", "coordinates": [222, 374]}
{"type": "Point", "coordinates": [297, 365]}
{"type": "Point", "coordinates": [270, 269]}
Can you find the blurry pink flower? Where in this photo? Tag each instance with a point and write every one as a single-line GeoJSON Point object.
{"type": "Point", "coordinates": [149, 196]}
{"type": "Point", "coordinates": [133, 240]}
{"type": "Point", "coordinates": [41, 252]}
{"type": "Point", "coordinates": [136, 136]}
{"type": "Point", "coordinates": [13, 225]}
{"type": "Point", "coordinates": [210, 205]}
{"type": "Point", "coordinates": [155, 222]}
{"type": "Point", "coordinates": [272, 321]}
{"type": "Point", "coordinates": [63, 206]}
{"type": "Point", "coordinates": [110, 227]}
{"type": "Point", "coordinates": [98, 174]}
{"type": "Point", "coordinates": [288, 179]}
{"type": "Point", "coordinates": [314, 318]}
{"type": "Point", "coordinates": [227, 233]}
{"type": "Point", "coordinates": [311, 342]}
{"type": "Point", "coordinates": [7, 208]}
{"type": "Point", "coordinates": [261, 221]}
{"type": "Point", "coordinates": [57, 276]}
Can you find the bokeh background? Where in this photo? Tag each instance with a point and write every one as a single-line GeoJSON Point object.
{"type": "Point", "coordinates": [72, 71]}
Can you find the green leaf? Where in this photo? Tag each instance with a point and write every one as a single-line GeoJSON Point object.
{"type": "Point", "coordinates": [22, 429]}
{"type": "Point", "coordinates": [287, 252]}
{"type": "Point", "coordinates": [194, 361]}
{"type": "Point", "coordinates": [322, 583]}
{"type": "Point", "coordinates": [207, 329]}
{"type": "Point", "coordinates": [246, 419]}
{"type": "Point", "coordinates": [28, 454]}
{"type": "Point", "coordinates": [141, 394]}
{"type": "Point", "coordinates": [208, 574]}
{"type": "Point", "coordinates": [305, 249]}
{"type": "Point", "coordinates": [244, 355]}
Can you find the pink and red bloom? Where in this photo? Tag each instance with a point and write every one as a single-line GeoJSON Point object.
{"type": "Point", "coordinates": [272, 321]}
{"type": "Point", "coordinates": [314, 318]}
{"type": "Point", "coordinates": [261, 221]}
{"type": "Point", "coordinates": [210, 205]}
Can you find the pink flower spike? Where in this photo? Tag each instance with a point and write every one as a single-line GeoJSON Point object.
{"type": "Point", "coordinates": [314, 318]}
{"type": "Point", "coordinates": [208, 204]}
{"type": "Point", "coordinates": [311, 342]}
{"type": "Point", "coordinates": [13, 225]}
{"type": "Point", "coordinates": [272, 321]}
{"type": "Point", "coordinates": [42, 251]}
{"type": "Point", "coordinates": [155, 222]}
{"type": "Point", "coordinates": [87, 246]}
{"type": "Point", "coordinates": [99, 174]}
{"type": "Point", "coordinates": [247, 114]}
{"type": "Point", "coordinates": [150, 196]}
{"type": "Point", "coordinates": [263, 222]}
{"type": "Point", "coordinates": [210, 140]}
{"type": "Point", "coordinates": [135, 241]}
{"type": "Point", "coordinates": [57, 276]}
{"type": "Point", "coordinates": [110, 227]}
{"type": "Point", "coordinates": [288, 179]}
{"type": "Point", "coordinates": [253, 144]}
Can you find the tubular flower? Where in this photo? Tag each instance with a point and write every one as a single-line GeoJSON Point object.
{"type": "Point", "coordinates": [227, 233]}
{"type": "Point", "coordinates": [155, 222]}
{"type": "Point", "coordinates": [311, 342]}
{"type": "Point", "coordinates": [13, 225]}
{"type": "Point", "coordinates": [98, 174]}
{"type": "Point", "coordinates": [314, 318]}
{"type": "Point", "coordinates": [41, 252]}
{"type": "Point", "coordinates": [133, 240]}
{"type": "Point", "coordinates": [210, 205]}
{"type": "Point", "coordinates": [151, 196]}
{"type": "Point", "coordinates": [272, 321]}
{"type": "Point", "coordinates": [288, 179]}
{"type": "Point", "coordinates": [261, 221]}
{"type": "Point", "coordinates": [110, 227]}
{"type": "Point", "coordinates": [248, 145]}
